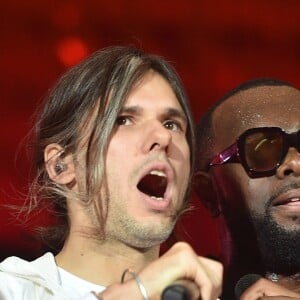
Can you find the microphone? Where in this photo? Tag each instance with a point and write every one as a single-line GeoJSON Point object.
{"type": "Point", "coordinates": [180, 290]}
{"type": "Point", "coordinates": [244, 283]}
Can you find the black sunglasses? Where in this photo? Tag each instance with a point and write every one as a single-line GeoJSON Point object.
{"type": "Point", "coordinates": [259, 150]}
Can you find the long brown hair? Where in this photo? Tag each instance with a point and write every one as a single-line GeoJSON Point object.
{"type": "Point", "coordinates": [91, 95]}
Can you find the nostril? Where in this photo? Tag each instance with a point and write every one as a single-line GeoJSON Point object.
{"type": "Point", "coordinates": [287, 172]}
{"type": "Point", "coordinates": [155, 145]}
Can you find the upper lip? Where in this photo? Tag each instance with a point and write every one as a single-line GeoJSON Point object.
{"type": "Point", "coordinates": [286, 197]}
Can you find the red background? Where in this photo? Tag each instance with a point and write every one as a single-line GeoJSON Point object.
{"type": "Point", "coordinates": [214, 45]}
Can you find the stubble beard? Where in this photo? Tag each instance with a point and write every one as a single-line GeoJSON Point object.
{"type": "Point", "coordinates": [141, 234]}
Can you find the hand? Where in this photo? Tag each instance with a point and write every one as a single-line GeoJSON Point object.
{"type": "Point", "coordinates": [181, 262]}
{"type": "Point", "coordinates": [265, 289]}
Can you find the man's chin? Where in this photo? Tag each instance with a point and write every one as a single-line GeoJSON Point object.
{"type": "Point", "coordinates": [279, 245]}
{"type": "Point", "coordinates": [289, 220]}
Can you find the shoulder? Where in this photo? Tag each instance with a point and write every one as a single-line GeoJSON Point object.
{"type": "Point", "coordinates": [38, 277]}
{"type": "Point", "coordinates": [17, 265]}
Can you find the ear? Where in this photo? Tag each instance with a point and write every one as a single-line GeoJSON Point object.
{"type": "Point", "coordinates": [60, 167]}
{"type": "Point", "coordinates": [202, 185]}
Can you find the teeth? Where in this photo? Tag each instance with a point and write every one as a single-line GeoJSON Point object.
{"type": "Point", "coordinates": [294, 200]}
{"type": "Point", "coordinates": [157, 198]}
{"type": "Point", "coordinates": [158, 173]}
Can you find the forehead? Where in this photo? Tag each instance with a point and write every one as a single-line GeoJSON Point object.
{"type": "Point", "coordinates": [257, 107]}
{"type": "Point", "coordinates": [153, 90]}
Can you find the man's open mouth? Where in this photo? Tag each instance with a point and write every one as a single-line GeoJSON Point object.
{"type": "Point", "coordinates": [291, 201]}
{"type": "Point", "coordinates": [154, 184]}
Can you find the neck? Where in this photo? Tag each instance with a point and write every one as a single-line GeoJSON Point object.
{"type": "Point", "coordinates": [240, 257]}
{"type": "Point", "coordinates": [90, 259]}
{"type": "Point", "coordinates": [238, 266]}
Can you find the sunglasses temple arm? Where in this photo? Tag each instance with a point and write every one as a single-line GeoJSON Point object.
{"type": "Point", "coordinates": [230, 154]}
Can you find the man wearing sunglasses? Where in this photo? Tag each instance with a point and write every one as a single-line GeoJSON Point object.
{"type": "Point", "coordinates": [248, 176]}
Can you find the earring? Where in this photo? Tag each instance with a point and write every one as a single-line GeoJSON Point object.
{"type": "Point", "coordinates": [60, 167]}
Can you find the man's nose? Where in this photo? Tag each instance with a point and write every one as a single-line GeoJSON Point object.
{"type": "Point", "coordinates": [156, 137]}
{"type": "Point", "coordinates": [290, 165]}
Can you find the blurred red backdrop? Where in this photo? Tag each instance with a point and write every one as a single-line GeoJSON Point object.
{"type": "Point", "coordinates": [214, 45]}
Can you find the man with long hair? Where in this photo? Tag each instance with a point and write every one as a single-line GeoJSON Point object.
{"type": "Point", "coordinates": [114, 154]}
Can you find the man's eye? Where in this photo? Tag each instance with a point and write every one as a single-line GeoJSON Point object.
{"type": "Point", "coordinates": [123, 120]}
{"type": "Point", "coordinates": [173, 125]}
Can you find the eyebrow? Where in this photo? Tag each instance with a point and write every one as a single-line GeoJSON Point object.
{"type": "Point", "coordinates": [167, 113]}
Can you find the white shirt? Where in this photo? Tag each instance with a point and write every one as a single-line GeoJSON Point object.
{"type": "Point", "coordinates": [39, 280]}
{"type": "Point", "coordinates": [75, 287]}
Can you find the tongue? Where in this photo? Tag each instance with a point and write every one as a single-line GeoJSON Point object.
{"type": "Point", "coordinates": [153, 185]}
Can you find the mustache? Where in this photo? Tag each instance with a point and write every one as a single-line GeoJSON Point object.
{"type": "Point", "coordinates": [281, 190]}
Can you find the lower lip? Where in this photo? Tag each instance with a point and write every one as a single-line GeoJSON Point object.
{"type": "Point", "coordinates": [290, 206]}
{"type": "Point", "coordinates": [156, 204]}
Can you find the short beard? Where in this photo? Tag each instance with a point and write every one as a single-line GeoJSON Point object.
{"type": "Point", "coordinates": [279, 247]}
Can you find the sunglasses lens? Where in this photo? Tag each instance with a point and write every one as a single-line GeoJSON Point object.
{"type": "Point", "coordinates": [263, 150]}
